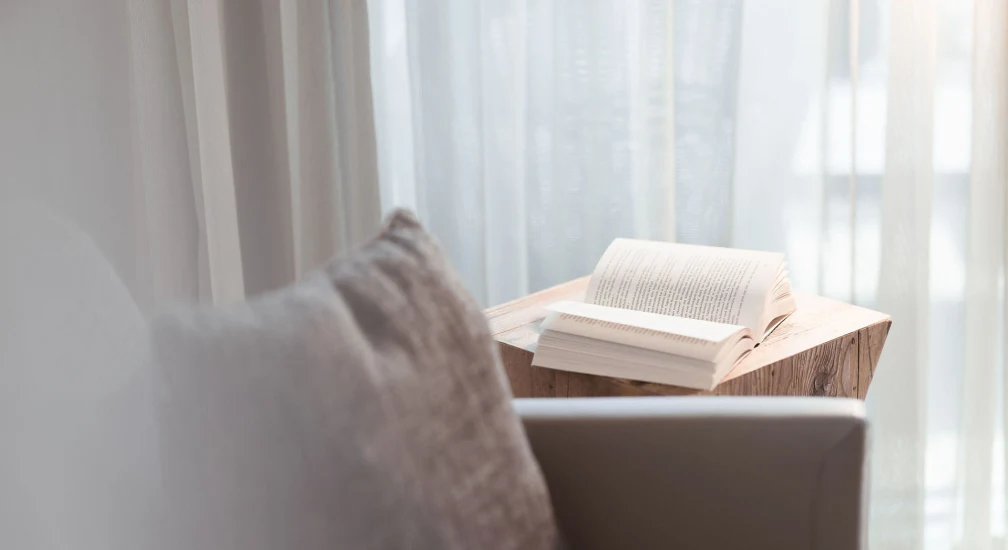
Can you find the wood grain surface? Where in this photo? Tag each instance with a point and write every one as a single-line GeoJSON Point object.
{"type": "Point", "coordinates": [826, 348]}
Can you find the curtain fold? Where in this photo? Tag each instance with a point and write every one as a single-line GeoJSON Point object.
{"type": "Point", "coordinates": [510, 128]}
{"type": "Point", "coordinates": [355, 125]}
{"type": "Point", "coordinates": [253, 149]}
{"type": "Point", "coordinates": [167, 234]}
{"type": "Point", "coordinates": [325, 114]}
{"type": "Point", "coordinates": [503, 80]}
{"type": "Point", "coordinates": [214, 149]}
{"type": "Point", "coordinates": [200, 54]}
{"type": "Point", "coordinates": [259, 143]}
{"type": "Point", "coordinates": [898, 401]}
{"type": "Point", "coordinates": [984, 263]}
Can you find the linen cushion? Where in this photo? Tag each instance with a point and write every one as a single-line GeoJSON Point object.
{"type": "Point", "coordinates": [363, 407]}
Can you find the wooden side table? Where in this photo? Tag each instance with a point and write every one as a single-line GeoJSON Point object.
{"type": "Point", "coordinates": [825, 348]}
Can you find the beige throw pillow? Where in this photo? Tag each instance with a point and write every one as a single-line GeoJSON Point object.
{"type": "Point", "coordinates": [364, 407]}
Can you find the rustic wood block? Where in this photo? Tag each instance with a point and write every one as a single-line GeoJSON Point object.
{"type": "Point", "coordinates": [825, 348]}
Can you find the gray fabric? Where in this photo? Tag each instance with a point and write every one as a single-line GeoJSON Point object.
{"type": "Point", "coordinates": [364, 407]}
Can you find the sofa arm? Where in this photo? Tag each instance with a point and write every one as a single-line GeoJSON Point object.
{"type": "Point", "coordinates": [695, 472]}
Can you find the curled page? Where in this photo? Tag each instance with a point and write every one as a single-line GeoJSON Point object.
{"type": "Point", "coordinates": [722, 285]}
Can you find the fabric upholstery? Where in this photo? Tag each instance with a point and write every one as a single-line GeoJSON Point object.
{"type": "Point", "coordinates": [364, 407]}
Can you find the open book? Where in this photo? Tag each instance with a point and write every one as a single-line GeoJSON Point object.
{"type": "Point", "coordinates": [669, 313]}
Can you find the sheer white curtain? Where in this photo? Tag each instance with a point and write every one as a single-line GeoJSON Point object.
{"type": "Point", "coordinates": [211, 148]}
{"type": "Point", "coordinates": [865, 138]}
{"type": "Point", "coordinates": [526, 134]}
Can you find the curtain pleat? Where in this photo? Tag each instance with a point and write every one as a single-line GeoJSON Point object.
{"type": "Point", "coordinates": [984, 261]}
{"type": "Point", "coordinates": [854, 68]}
{"type": "Point", "coordinates": [445, 53]}
{"type": "Point", "coordinates": [897, 400]}
{"type": "Point", "coordinates": [253, 143]}
{"type": "Point", "coordinates": [312, 144]}
{"type": "Point", "coordinates": [257, 114]}
{"type": "Point", "coordinates": [665, 157]}
{"type": "Point", "coordinates": [503, 81]}
{"type": "Point", "coordinates": [707, 66]}
{"type": "Point", "coordinates": [357, 149]}
{"type": "Point", "coordinates": [199, 43]}
{"type": "Point", "coordinates": [166, 230]}
{"type": "Point", "coordinates": [529, 134]}
{"type": "Point", "coordinates": [390, 77]}
{"type": "Point", "coordinates": [333, 180]}
{"type": "Point", "coordinates": [782, 171]}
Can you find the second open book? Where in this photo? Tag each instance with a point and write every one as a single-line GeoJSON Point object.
{"type": "Point", "coordinates": [668, 313]}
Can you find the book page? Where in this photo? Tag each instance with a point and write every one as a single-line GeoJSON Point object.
{"type": "Point", "coordinates": [721, 285]}
{"type": "Point", "coordinates": [675, 335]}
